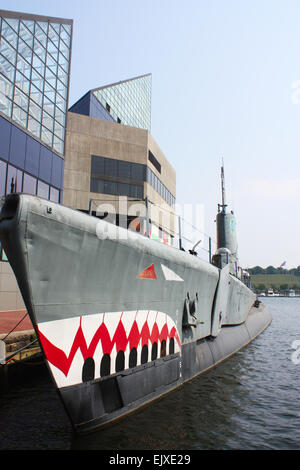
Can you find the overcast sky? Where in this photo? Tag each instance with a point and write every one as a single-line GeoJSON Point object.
{"type": "Point", "coordinates": [225, 84]}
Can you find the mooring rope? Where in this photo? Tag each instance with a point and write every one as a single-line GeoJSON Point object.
{"type": "Point", "coordinates": [15, 326]}
{"type": "Point", "coordinates": [9, 358]}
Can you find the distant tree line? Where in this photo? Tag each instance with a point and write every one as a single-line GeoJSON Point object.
{"type": "Point", "coordinates": [281, 287]}
{"type": "Point", "coordinates": [272, 270]}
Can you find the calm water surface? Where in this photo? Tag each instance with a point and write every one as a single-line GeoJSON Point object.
{"type": "Point", "coordinates": [250, 401]}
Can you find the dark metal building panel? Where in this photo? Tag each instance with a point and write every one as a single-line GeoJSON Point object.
{"type": "Point", "coordinates": [5, 132]}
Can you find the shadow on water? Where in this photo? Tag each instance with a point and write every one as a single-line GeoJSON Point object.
{"type": "Point", "coordinates": [32, 416]}
{"type": "Point", "coordinates": [195, 416]}
{"type": "Point", "coordinates": [250, 401]}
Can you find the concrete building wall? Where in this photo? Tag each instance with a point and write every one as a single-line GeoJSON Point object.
{"type": "Point", "coordinates": [10, 296]}
{"type": "Point", "coordinates": [88, 136]}
{"type": "Point", "coordinates": [168, 174]}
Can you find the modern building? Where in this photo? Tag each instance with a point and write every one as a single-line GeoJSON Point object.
{"type": "Point", "coordinates": [113, 163]}
{"type": "Point", "coordinates": [35, 56]}
{"type": "Point", "coordinates": [98, 157]}
{"type": "Point", "coordinates": [127, 102]}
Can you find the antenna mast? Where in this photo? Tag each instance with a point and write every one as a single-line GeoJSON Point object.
{"type": "Point", "coordinates": [223, 205]}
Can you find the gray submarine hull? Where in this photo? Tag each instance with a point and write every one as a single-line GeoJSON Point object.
{"type": "Point", "coordinates": [106, 400]}
{"type": "Point", "coordinates": [121, 319]}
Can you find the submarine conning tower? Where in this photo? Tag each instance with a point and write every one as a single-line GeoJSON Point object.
{"type": "Point", "coordinates": [226, 234]}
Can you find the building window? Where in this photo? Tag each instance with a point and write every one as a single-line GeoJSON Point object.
{"type": "Point", "coordinates": [110, 187]}
{"type": "Point", "coordinates": [111, 167]}
{"type": "Point", "coordinates": [97, 165]}
{"type": "Point", "coordinates": [138, 172]}
{"type": "Point", "coordinates": [117, 177]}
{"type": "Point", "coordinates": [129, 177]}
{"type": "Point", "coordinates": [154, 161]}
{"type": "Point", "coordinates": [54, 194]}
{"type": "Point", "coordinates": [29, 184]}
{"type": "Point", "coordinates": [97, 185]}
{"type": "Point", "coordinates": [160, 187]}
{"type": "Point", "coordinates": [118, 169]}
{"type": "Point", "coordinates": [14, 180]}
{"type": "Point", "coordinates": [124, 169]}
{"type": "Point", "coordinates": [3, 166]}
{"type": "Point", "coordinates": [43, 190]}
{"type": "Point", "coordinates": [116, 188]}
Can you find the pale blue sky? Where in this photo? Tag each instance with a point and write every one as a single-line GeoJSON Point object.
{"type": "Point", "coordinates": [222, 77]}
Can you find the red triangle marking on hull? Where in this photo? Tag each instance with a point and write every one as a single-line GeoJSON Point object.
{"type": "Point", "coordinates": [148, 273]}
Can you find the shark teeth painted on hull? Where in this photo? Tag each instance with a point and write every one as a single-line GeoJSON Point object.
{"type": "Point", "coordinates": [69, 343]}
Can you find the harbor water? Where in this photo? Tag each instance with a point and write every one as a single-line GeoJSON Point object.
{"type": "Point", "coordinates": [251, 401]}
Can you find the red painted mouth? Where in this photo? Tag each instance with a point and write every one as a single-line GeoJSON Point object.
{"type": "Point", "coordinates": [58, 358]}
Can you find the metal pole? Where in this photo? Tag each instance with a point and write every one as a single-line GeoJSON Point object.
{"type": "Point", "coordinates": [179, 233]}
{"type": "Point", "coordinates": [12, 186]}
{"type": "Point", "coordinates": [209, 248]}
{"type": "Point", "coordinates": [147, 217]}
{"type": "Point", "coordinates": [90, 206]}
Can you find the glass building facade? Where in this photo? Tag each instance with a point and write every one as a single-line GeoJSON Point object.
{"type": "Point", "coordinates": [127, 102]}
{"type": "Point", "coordinates": [27, 166]}
{"type": "Point", "coordinates": [34, 75]}
{"type": "Point", "coordinates": [34, 84]}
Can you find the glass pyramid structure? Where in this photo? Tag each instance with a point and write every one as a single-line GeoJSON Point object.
{"type": "Point", "coordinates": [127, 102]}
